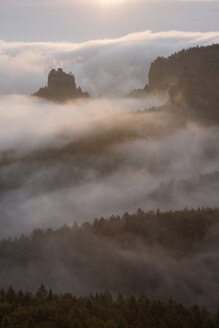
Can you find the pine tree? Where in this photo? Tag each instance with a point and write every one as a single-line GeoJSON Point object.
{"type": "Point", "coordinates": [50, 295]}
{"type": "Point", "coordinates": [41, 292]}
{"type": "Point", "coordinates": [11, 296]}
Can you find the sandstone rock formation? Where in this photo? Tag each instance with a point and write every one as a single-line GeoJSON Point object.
{"type": "Point", "coordinates": [61, 87]}
{"type": "Point", "coordinates": [191, 77]}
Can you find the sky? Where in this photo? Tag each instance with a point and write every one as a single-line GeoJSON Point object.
{"type": "Point", "coordinates": [83, 20]}
{"type": "Point", "coordinates": [100, 41]}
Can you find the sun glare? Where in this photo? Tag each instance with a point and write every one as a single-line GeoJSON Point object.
{"type": "Point", "coordinates": [110, 2]}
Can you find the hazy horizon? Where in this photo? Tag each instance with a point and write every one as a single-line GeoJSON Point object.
{"type": "Point", "coordinates": [80, 21]}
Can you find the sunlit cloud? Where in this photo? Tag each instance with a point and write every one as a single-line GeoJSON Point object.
{"type": "Point", "coordinates": [109, 65]}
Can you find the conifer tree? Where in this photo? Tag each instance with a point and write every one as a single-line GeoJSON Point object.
{"type": "Point", "coordinates": [42, 292]}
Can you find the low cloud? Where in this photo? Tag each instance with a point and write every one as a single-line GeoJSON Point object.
{"type": "Point", "coordinates": [91, 158]}
{"type": "Point", "coordinates": [102, 67]}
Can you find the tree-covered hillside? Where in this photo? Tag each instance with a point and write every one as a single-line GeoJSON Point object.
{"type": "Point", "coordinates": [47, 310]}
{"type": "Point", "coordinates": [191, 77]}
{"type": "Point", "coordinates": [160, 254]}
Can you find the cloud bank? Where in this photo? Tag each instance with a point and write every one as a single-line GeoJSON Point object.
{"type": "Point", "coordinates": [92, 158]}
{"type": "Point", "coordinates": [102, 67]}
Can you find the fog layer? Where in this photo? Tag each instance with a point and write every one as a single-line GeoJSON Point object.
{"type": "Point", "coordinates": [73, 162]}
{"type": "Point", "coordinates": [102, 67]}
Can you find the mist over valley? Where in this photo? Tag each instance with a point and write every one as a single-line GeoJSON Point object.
{"type": "Point", "coordinates": [145, 162]}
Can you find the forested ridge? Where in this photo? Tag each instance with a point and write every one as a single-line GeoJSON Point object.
{"type": "Point", "coordinates": [162, 255]}
{"type": "Point", "coordinates": [181, 230]}
{"type": "Point", "coordinates": [44, 309]}
{"type": "Point", "coordinates": [191, 77]}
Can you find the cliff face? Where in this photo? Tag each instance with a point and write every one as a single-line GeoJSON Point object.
{"type": "Point", "coordinates": [192, 64]}
{"type": "Point", "coordinates": [192, 79]}
{"type": "Point", "coordinates": [61, 86]}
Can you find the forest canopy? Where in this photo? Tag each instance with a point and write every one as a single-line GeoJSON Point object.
{"type": "Point", "coordinates": [159, 254]}
{"type": "Point", "coordinates": [46, 309]}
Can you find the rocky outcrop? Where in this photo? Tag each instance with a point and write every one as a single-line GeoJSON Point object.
{"type": "Point", "coordinates": [61, 87]}
{"type": "Point", "coordinates": [195, 85]}
{"type": "Point", "coordinates": [186, 65]}
{"type": "Point", "coordinates": [191, 77]}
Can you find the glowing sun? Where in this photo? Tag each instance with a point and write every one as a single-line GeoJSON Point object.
{"type": "Point", "coordinates": [110, 2]}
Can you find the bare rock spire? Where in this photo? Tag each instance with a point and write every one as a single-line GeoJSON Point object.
{"type": "Point", "coordinates": [61, 87]}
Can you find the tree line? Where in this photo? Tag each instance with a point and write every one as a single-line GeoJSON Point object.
{"type": "Point", "coordinates": [45, 309]}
